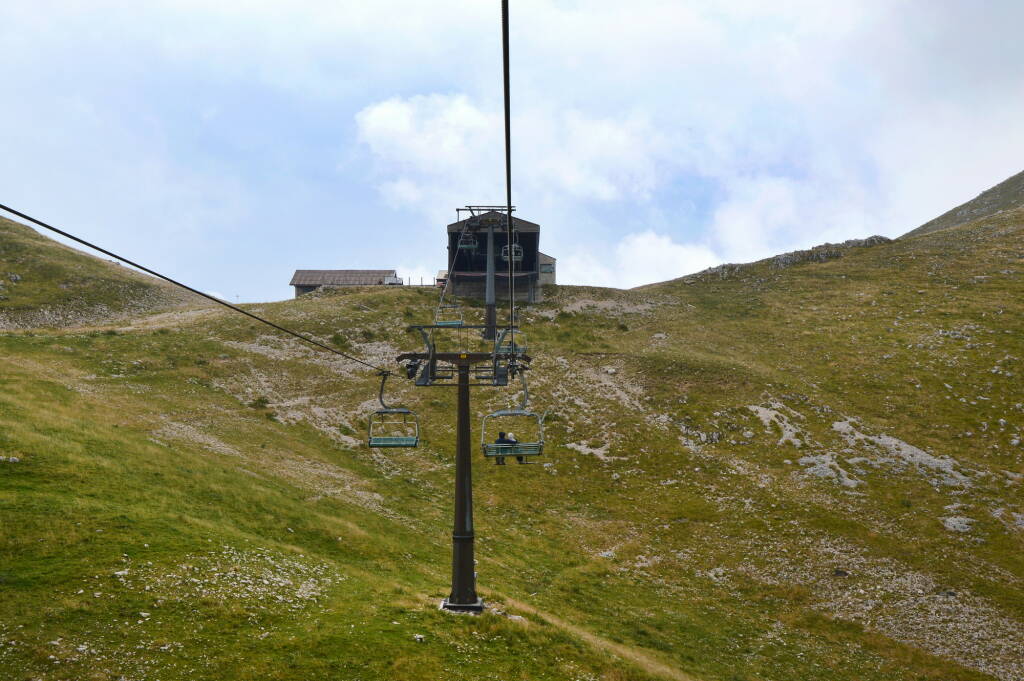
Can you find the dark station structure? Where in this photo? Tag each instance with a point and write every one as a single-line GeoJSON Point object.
{"type": "Point", "coordinates": [481, 236]}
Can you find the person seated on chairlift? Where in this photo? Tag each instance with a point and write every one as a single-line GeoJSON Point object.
{"type": "Point", "coordinates": [507, 439]}
{"type": "Point", "coordinates": [512, 440]}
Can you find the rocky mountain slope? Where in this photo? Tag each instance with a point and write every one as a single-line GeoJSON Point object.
{"type": "Point", "coordinates": [1007, 195]}
{"type": "Point", "coordinates": [804, 472]}
{"type": "Point", "coordinates": [43, 283]}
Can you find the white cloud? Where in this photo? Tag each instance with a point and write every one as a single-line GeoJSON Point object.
{"type": "Point", "coordinates": [415, 274]}
{"type": "Point", "coordinates": [438, 151]}
{"type": "Point", "coordinates": [807, 122]}
{"type": "Point", "coordinates": [637, 259]}
{"type": "Point", "coordinates": [741, 128]}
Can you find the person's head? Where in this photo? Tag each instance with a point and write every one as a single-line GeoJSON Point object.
{"type": "Point", "coordinates": [502, 434]}
{"type": "Point", "coordinates": [510, 436]}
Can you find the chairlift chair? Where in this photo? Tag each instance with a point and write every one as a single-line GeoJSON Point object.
{"type": "Point", "coordinates": [467, 241]}
{"type": "Point", "coordinates": [448, 315]}
{"type": "Point", "coordinates": [516, 251]}
{"type": "Point", "coordinates": [510, 344]}
{"type": "Point", "coordinates": [520, 450]}
{"type": "Point", "coordinates": [392, 427]}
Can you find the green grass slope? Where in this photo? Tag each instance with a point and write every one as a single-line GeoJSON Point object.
{"type": "Point", "coordinates": [1007, 195]}
{"type": "Point", "coordinates": [809, 471]}
{"type": "Point", "coordinates": [43, 283]}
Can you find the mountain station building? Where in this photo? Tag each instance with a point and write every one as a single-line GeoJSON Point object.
{"type": "Point", "coordinates": [467, 257]}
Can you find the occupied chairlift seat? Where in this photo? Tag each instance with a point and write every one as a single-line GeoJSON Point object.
{"type": "Point", "coordinates": [513, 416]}
{"type": "Point", "coordinates": [393, 427]}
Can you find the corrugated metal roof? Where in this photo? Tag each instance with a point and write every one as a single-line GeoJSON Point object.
{"type": "Point", "coordinates": [340, 277]}
{"type": "Point", "coordinates": [519, 224]}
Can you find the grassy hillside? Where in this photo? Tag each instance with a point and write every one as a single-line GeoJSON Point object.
{"type": "Point", "coordinates": [43, 283]}
{"type": "Point", "coordinates": [804, 472]}
{"type": "Point", "coordinates": [1007, 195]}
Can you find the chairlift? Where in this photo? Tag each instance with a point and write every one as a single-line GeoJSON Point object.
{"type": "Point", "coordinates": [467, 241]}
{"type": "Point", "coordinates": [516, 250]}
{"type": "Point", "coordinates": [510, 344]}
{"type": "Point", "coordinates": [393, 427]}
{"type": "Point", "coordinates": [513, 418]}
{"type": "Point", "coordinates": [448, 315]}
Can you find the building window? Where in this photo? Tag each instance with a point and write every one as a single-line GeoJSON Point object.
{"type": "Point", "coordinates": [547, 268]}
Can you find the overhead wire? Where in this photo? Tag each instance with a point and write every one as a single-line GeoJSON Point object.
{"type": "Point", "coordinates": [296, 334]}
{"type": "Point", "coordinates": [508, 179]}
{"type": "Point", "coordinates": [444, 289]}
{"type": "Point", "coordinates": [448, 278]}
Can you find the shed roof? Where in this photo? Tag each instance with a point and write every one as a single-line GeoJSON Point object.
{"type": "Point", "coordinates": [545, 258]}
{"type": "Point", "coordinates": [519, 224]}
{"type": "Point", "coordinates": [340, 277]}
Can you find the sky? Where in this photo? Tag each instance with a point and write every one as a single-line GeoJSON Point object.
{"type": "Point", "coordinates": [229, 143]}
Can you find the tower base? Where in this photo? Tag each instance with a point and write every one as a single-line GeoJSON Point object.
{"type": "Point", "coordinates": [473, 608]}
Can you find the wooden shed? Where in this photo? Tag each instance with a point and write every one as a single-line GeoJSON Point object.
{"type": "Point", "coordinates": [306, 281]}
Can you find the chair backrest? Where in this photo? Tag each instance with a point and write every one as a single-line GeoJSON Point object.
{"type": "Point", "coordinates": [384, 423]}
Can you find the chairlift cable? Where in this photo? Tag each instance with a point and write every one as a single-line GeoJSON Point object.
{"type": "Point", "coordinates": [508, 174]}
{"type": "Point", "coordinates": [448, 277]}
{"type": "Point", "coordinates": [228, 305]}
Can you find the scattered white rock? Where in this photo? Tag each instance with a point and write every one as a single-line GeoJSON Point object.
{"type": "Point", "coordinates": [900, 452]}
{"type": "Point", "coordinates": [958, 523]}
{"type": "Point", "coordinates": [825, 466]}
{"type": "Point", "coordinates": [773, 415]}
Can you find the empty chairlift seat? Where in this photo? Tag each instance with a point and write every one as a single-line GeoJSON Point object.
{"type": "Point", "coordinates": [448, 315]}
{"type": "Point", "coordinates": [392, 427]}
{"type": "Point", "coordinates": [508, 344]}
{"type": "Point", "coordinates": [515, 252]}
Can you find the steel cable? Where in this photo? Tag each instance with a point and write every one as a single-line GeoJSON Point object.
{"type": "Point", "coordinates": [271, 324]}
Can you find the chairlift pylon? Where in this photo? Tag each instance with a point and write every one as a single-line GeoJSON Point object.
{"type": "Point", "coordinates": [392, 427]}
{"type": "Point", "coordinates": [521, 449]}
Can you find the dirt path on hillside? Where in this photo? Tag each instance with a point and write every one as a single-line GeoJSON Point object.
{"type": "Point", "coordinates": [171, 319]}
{"type": "Point", "coordinates": [637, 656]}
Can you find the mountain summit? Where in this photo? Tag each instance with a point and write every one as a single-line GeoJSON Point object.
{"type": "Point", "coordinates": [1006, 195]}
